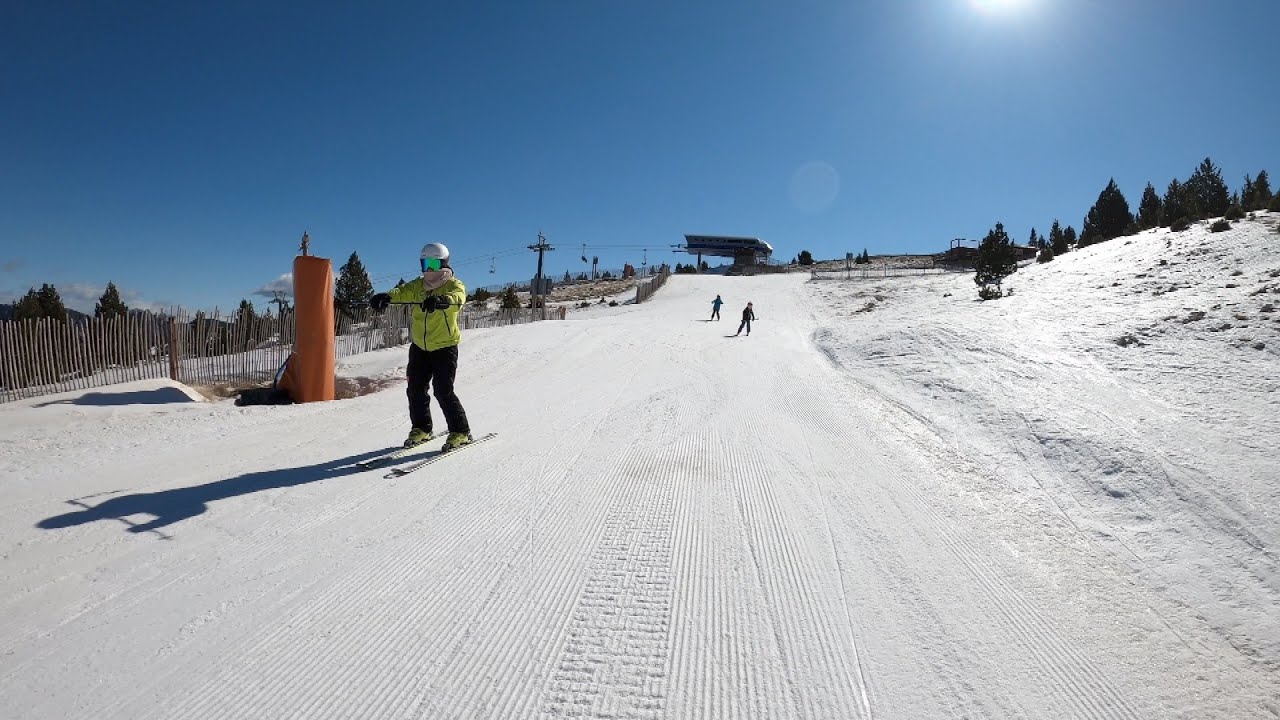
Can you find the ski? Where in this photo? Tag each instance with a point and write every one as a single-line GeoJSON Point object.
{"type": "Point", "coordinates": [434, 456]}
{"type": "Point", "coordinates": [393, 455]}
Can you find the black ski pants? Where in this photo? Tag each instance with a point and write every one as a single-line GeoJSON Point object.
{"type": "Point", "coordinates": [435, 368]}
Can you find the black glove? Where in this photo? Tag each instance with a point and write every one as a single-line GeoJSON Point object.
{"type": "Point", "coordinates": [435, 302]}
{"type": "Point", "coordinates": [380, 302]}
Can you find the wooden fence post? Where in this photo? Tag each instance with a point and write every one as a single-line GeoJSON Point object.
{"type": "Point", "coordinates": [173, 350]}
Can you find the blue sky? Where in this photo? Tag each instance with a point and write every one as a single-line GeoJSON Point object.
{"type": "Point", "coordinates": [180, 151]}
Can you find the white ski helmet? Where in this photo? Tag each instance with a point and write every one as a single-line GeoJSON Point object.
{"type": "Point", "coordinates": [434, 251]}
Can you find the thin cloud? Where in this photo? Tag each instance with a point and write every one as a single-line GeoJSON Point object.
{"type": "Point", "coordinates": [135, 301]}
{"type": "Point", "coordinates": [81, 296]}
{"type": "Point", "coordinates": [282, 285]}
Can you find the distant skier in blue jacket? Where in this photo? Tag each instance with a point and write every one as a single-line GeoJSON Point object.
{"type": "Point", "coordinates": [715, 308]}
{"type": "Point", "coordinates": [747, 316]}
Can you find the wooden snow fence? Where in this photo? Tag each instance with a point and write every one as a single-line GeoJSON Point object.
{"type": "Point", "coordinates": [44, 356]}
{"type": "Point", "coordinates": [645, 290]}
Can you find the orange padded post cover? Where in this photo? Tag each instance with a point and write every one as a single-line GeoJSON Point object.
{"type": "Point", "coordinates": [309, 377]}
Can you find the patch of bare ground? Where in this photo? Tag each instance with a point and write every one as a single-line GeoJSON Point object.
{"type": "Point", "coordinates": [347, 388]}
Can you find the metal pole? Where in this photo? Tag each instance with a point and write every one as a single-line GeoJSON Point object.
{"type": "Point", "coordinates": [541, 247]}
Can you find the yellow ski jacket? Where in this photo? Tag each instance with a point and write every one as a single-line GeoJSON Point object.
{"type": "Point", "coordinates": [438, 328]}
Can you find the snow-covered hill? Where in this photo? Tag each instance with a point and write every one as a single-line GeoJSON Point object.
{"type": "Point", "coordinates": [1132, 388]}
{"type": "Point", "coordinates": [890, 501]}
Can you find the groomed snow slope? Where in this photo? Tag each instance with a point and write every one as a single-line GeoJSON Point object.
{"type": "Point", "coordinates": [932, 508]}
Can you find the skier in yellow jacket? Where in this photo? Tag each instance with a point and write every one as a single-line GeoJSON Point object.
{"type": "Point", "coordinates": [433, 352]}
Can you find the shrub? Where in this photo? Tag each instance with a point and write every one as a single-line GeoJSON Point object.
{"type": "Point", "coordinates": [990, 292]}
{"type": "Point", "coordinates": [1180, 224]}
{"type": "Point", "coordinates": [1275, 203]}
{"type": "Point", "coordinates": [1045, 255]}
{"type": "Point", "coordinates": [1235, 212]}
{"type": "Point", "coordinates": [1220, 226]}
{"type": "Point", "coordinates": [510, 300]}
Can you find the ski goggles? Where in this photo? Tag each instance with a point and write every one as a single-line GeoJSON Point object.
{"type": "Point", "coordinates": [431, 264]}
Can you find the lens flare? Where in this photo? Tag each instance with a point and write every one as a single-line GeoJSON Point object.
{"type": "Point", "coordinates": [997, 6]}
{"type": "Point", "coordinates": [814, 187]}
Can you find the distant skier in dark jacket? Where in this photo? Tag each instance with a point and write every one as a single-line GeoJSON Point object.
{"type": "Point", "coordinates": [715, 308]}
{"type": "Point", "coordinates": [747, 316]}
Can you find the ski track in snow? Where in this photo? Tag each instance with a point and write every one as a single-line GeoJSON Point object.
{"type": "Point", "coordinates": [828, 519]}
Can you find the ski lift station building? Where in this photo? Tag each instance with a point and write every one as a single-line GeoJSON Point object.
{"type": "Point", "coordinates": [743, 250]}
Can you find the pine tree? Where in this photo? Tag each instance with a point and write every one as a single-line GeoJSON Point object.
{"type": "Point", "coordinates": [1262, 190]}
{"type": "Point", "coordinates": [1057, 240]}
{"type": "Point", "coordinates": [806, 258]}
{"type": "Point", "coordinates": [1246, 193]}
{"type": "Point", "coordinates": [110, 305]}
{"type": "Point", "coordinates": [1069, 236]}
{"type": "Point", "coordinates": [51, 303]}
{"type": "Point", "coordinates": [353, 286]}
{"type": "Point", "coordinates": [1257, 194]}
{"type": "Point", "coordinates": [28, 308]}
{"type": "Point", "coordinates": [1034, 240]}
{"type": "Point", "coordinates": [1175, 207]}
{"type": "Point", "coordinates": [42, 303]}
{"type": "Point", "coordinates": [1149, 209]}
{"type": "Point", "coordinates": [1108, 218]}
{"type": "Point", "coordinates": [246, 312]}
{"type": "Point", "coordinates": [1208, 191]}
{"type": "Point", "coordinates": [996, 259]}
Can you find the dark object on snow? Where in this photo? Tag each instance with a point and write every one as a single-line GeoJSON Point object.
{"type": "Point", "coordinates": [263, 396]}
{"type": "Point", "coordinates": [274, 395]}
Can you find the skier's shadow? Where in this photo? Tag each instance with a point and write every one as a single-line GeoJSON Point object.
{"type": "Point", "coordinates": [170, 506]}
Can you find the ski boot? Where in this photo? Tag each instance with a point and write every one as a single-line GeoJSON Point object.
{"type": "Point", "coordinates": [456, 440]}
{"type": "Point", "coordinates": [417, 437]}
